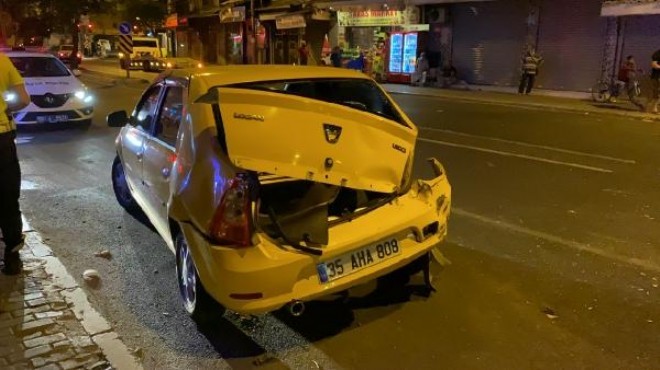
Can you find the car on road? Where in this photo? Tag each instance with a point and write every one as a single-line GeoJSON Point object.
{"type": "Point", "coordinates": [276, 185]}
{"type": "Point", "coordinates": [64, 54]}
{"type": "Point", "coordinates": [56, 94]}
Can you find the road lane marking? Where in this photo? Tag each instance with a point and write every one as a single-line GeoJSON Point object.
{"type": "Point", "coordinates": [645, 264]}
{"type": "Point", "coordinates": [520, 143]}
{"type": "Point", "coordinates": [517, 155]}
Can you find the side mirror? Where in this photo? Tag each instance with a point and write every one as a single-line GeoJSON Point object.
{"type": "Point", "coordinates": [117, 119]}
{"type": "Point", "coordinates": [76, 72]}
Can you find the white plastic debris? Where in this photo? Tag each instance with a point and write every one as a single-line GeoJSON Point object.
{"type": "Point", "coordinates": [91, 276]}
{"type": "Point", "coordinates": [104, 254]}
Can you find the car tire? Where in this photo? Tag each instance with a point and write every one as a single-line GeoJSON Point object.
{"type": "Point", "coordinates": [196, 301]}
{"type": "Point", "coordinates": [121, 187]}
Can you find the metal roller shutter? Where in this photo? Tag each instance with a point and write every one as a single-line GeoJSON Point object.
{"type": "Point", "coordinates": [571, 42]}
{"type": "Point", "coordinates": [488, 39]}
{"type": "Point", "coordinates": [640, 39]}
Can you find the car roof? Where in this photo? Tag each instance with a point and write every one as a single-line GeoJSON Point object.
{"type": "Point", "coordinates": [13, 54]}
{"type": "Point", "coordinates": [234, 74]}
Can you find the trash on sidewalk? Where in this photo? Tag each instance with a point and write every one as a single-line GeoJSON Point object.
{"type": "Point", "coordinates": [104, 254]}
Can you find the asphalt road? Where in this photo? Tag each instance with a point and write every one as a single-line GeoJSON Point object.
{"type": "Point", "coordinates": [554, 245]}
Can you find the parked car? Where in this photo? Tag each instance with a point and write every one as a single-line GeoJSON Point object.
{"type": "Point", "coordinates": [276, 185]}
{"type": "Point", "coordinates": [56, 94]}
{"type": "Point", "coordinates": [64, 54]}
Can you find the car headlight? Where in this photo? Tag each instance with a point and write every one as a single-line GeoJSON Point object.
{"type": "Point", "coordinates": [200, 65]}
{"type": "Point", "coordinates": [80, 94]}
{"type": "Point", "coordinates": [9, 97]}
{"type": "Point", "coordinates": [169, 65]}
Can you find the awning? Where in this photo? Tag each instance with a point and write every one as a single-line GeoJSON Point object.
{"type": "Point", "coordinates": [622, 7]}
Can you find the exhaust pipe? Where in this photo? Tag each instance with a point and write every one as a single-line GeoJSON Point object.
{"type": "Point", "coordinates": [296, 308]}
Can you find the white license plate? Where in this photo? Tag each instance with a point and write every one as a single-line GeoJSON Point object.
{"type": "Point", "coordinates": [357, 260]}
{"type": "Point", "coordinates": [53, 118]}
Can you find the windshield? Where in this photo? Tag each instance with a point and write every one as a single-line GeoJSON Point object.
{"type": "Point", "coordinates": [145, 44]}
{"type": "Point", "coordinates": [359, 94]}
{"type": "Point", "coordinates": [66, 47]}
{"type": "Point", "coordinates": [39, 67]}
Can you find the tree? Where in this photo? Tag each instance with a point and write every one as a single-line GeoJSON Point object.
{"type": "Point", "coordinates": [147, 13]}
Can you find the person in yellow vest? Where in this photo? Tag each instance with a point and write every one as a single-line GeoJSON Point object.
{"type": "Point", "coordinates": [14, 98]}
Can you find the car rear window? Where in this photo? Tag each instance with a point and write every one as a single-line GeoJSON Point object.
{"type": "Point", "coordinates": [145, 43]}
{"type": "Point", "coordinates": [358, 94]}
{"type": "Point", "coordinates": [39, 67]}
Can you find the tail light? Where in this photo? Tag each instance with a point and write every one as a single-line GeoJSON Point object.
{"type": "Point", "coordinates": [232, 222]}
{"type": "Point", "coordinates": [79, 55]}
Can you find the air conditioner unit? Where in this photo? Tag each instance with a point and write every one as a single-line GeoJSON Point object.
{"type": "Point", "coordinates": [436, 15]}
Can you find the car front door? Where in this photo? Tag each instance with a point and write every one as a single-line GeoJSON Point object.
{"type": "Point", "coordinates": [160, 155]}
{"type": "Point", "coordinates": [134, 139]}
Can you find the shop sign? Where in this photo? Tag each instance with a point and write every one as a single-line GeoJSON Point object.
{"type": "Point", "coordinates": [172, 21]}
{"type": "Point", "coordinates": [290, 21]}
{"type": "Point", "coordinates": [416, 27]}
{"type": "Point", "coordinates": [616, 8]}
{"type": "Point", "coordinates": [370, 18]}
{"type": "Point", "coordinates": [232, 14]}
{"type": "Point", "coordinates": [321, 14]}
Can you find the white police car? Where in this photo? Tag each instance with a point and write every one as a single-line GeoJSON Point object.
{"type": "Point", "coordinates": [56, 94]}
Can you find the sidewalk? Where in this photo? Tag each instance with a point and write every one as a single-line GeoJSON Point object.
{"type": "Point", "coordinates": [568, 101]}
{"type": "Point", "coordinates": [540, 99]}
{"type": "Point", "coordinates": [46, 321]}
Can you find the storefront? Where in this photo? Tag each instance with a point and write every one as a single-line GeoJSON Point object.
{"type": "Point", "coordinates": [390, 40]}
{"type": "Point", "coordinates": [284, 29]}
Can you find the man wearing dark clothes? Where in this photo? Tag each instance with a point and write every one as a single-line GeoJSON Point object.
{"type": "Point", "coordinates": [655, 82]}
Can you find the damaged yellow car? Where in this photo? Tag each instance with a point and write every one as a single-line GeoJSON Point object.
{"type": "Point", "coordinates": [276, 185]}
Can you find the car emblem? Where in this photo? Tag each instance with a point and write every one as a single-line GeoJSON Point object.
{"type": "Point", "coordinates": [332, 133]}
{"type": "Point", "coordinates": [49, 98]}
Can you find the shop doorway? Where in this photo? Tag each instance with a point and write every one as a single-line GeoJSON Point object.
{"type": "Point", "coordinates": [285, 46]}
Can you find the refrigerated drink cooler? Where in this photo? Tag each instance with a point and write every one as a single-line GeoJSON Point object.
{"type": "Point", "coordinates": [403, 50]}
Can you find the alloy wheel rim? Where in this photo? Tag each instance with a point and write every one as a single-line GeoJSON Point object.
{"type": "Point", "coordinates": [187, 277]}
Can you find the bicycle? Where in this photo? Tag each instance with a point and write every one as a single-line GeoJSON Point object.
{"type": "Point", "coordinates": [607, 91]}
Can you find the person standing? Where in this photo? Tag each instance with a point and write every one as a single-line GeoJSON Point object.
{"type": "Point", "coordinates": [15, 98]}
{"type": "Point", "coordinates": [655, 82]}
{"type": "Point", "coordinates": [530, 68]}
{"type": "Point", "coordinates": [335, 57]}
{"type": "Point", "coordinates": [628, 78]}
{"type": "Point", "coordinates": [303, 54]}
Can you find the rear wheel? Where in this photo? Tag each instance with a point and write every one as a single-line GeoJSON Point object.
{"type": "Point", "coordinates": [197, 302]}
{"type": "Point", "coordinates": [121, 188]}
{"type": "Point", "coordinates": [600, 92]}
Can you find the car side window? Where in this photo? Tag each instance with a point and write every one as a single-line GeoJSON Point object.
{"type": "Point", "coordinates": [169, 118]}
{"type": "Point", "coordinates": [146, 109]}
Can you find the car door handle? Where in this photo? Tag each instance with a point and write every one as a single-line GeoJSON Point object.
{"type": "Point", "coordinates": [166, 172]}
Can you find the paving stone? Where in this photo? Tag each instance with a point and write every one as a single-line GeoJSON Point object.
{"type": "Point", "coordinates": [62, 345]}
{"type": "Point", "coordinates": [9, 307]}
{"type": "Point", "coordinates": [37, 302]}
{"type": "Point", "coordinates": [44, 340]}
{"type": "Point", "coordinates": [59, 305]}
{"type": "Point", "coordinates": [11, 322]}
{"type": "Point", "coordinates": [33, 335]}
{"type": "Point", "coordinates": [54, 357]}
{"type": "Point", "coordinates": [37, 351]}
{"type": "Point", "coordinates": [76, 362]}
{"type": "Point", "coordinates": [26, 297]}
{"type": "Point", "coordinates": [3, 363]}
{"type": "Point", "coordinates": [38, 325]}
{"type": "Point", "coordinates": [5, 316]}
{"type": "Point", "coordinates": [36, 309]}
{"type": "Point", "coordinates": [47, 314]}
{"type": "Point", "coordinates": [7, 350]}
{"type": "Point", "coordinates": [19, 366]}
{"type": "Point", "coordinates": [49, 367]}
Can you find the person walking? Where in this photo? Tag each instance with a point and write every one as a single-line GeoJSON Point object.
{"type": "Point", "coordinates": [15, 98]}
{"type": "Point", "coordinates": [303, 54]}
{"type": "Point", "coordinates": [530, 68]}
{"type": "Point", "coordinates": [655, 82]}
